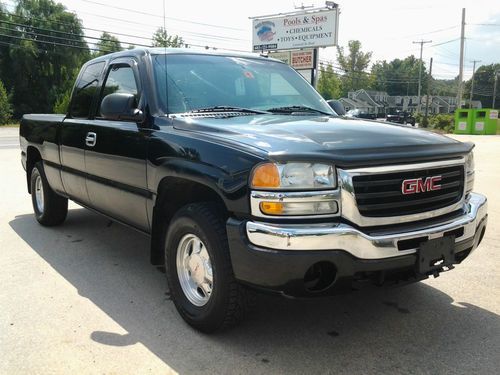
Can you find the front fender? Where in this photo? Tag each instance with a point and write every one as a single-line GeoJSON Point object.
{"type": "Point", "coordinates": [221, 168]}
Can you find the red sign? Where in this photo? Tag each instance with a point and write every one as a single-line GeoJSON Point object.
{"type": "Point", "coordinates": [302, 59]}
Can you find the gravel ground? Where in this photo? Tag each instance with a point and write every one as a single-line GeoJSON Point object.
{"type": "Point", "coordinates": [82, 298]}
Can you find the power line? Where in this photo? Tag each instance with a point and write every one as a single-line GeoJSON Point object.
{"type": "Point", "coordinates": [160, 16]}
{"type": "Point", "coordinates": [206, 36]}
{"type": "Point", "coordinates": [43, 35]}
{"type": "Point", "coordinates": [72, 25]}
{"type": "Point", "coordinates": [433, 31]}
{"type": "Point", "coordinates": [380, 79]}
{"type": "Point", "coordinates": [220, 37]}
{"type": "Point", "coordinates": [67, 33]}
{"type": "Point", "coordinates": [52, 43]}
{"type": "Point", "coordinates": [402, 79]}
{"type": "Point", "coordinates": [188, 41]}
{"type": "Point", "coordinates": [92, 49]}
{"type": "Point", "coordinates": [484, 24]}
{"type": "Point", "coordinates": [448, 41]}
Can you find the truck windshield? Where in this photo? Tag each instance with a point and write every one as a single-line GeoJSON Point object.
{"type": "Point", "coordinates": [197, 82]}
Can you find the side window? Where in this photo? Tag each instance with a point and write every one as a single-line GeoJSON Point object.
{"type": "Point", "coordinates": [85, 90]}
{"type": "Point", "coordinates": [120, 79]}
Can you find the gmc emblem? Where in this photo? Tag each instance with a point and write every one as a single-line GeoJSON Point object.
{"type": "Point", "coordinates": [419, 185]}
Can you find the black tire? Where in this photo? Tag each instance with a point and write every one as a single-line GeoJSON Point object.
{"type": "Point", "coordinates": [55, 207]}
{"type": "Point", "coordinates": [226, 305]}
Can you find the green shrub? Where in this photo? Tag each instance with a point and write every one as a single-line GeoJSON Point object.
{"type": "Point", "coordinates": [442, 122]}
{"type": "Point", "coordinates": [419, 118]}
{"type": "Point", "coordinates": [5, 107]}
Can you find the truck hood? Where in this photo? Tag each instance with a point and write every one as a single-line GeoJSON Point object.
{"type": "Point", "coordinates": [347, 141]}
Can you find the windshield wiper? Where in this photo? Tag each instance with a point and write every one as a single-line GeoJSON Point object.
{"type": "Point", "coordinates": [297, 108]}
{"type": "Point", "coordinates": [226, 108]}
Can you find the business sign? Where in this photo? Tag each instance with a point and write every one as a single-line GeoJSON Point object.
{"type": "Point", "coordinates": [282, 56]}
{"type": "Point", "coordinates": [300, 59]}
{"type": "Point", "coordinates": [303, 30]}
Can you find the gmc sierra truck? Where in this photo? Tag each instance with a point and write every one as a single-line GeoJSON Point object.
{"type": "Point", "coordinates": [244, 177]}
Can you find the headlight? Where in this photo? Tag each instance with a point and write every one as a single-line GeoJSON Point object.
{"type": "Point", "coordinates": [469, 172]}
{"type": "Point", "coordinates": [305, 190]}
{"type": "Point", "coordinates": [294, 176]}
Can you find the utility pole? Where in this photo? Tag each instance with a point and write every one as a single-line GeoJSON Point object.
{"type": "Point", "coordinates": [472, 84]}
{"type": "Point", "coordinates": [495, 88]}
{"type": "Point", "coordinates": [461, 69]}
{"type": "Point", "coordinates": [422, 42]}
{"type": "Point", "coordinates": [426, 123]}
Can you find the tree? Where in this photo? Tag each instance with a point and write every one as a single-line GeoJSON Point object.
{"type": "Point", "coordinates": [354, 62]}
{"type": "Point", "coordinates": [38, 69]}
{"type": "Point", "coordinates": [399, 77]}
{"type": "Point", "coordinates": [62, 103]}
{"type": "Point", "coordinates": [107, 44]}
{"type": "Point", "coordinates": [445, 87]}
{"type": "Point", "coordinates": [162, 39]}
{"type": "Point", "coordinates": [484, 79]}
{"type": "Point", "coordinates": [4, 48]}
{"type": "Point", "coordinates": [329, 85]}
{"type": "Point", "coordinates": [5, 107]}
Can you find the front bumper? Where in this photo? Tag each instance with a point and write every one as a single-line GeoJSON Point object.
{"type": "Point", "coordinates": [280, 257]}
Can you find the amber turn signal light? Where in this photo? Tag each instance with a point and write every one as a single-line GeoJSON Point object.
{"type": "Point", "coordinates": [266, 176]}
{"type": "Point", "coordinates": [271, 208]}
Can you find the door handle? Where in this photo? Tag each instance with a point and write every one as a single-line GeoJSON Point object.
{"type": "Point", "coordinates": [91, 139]}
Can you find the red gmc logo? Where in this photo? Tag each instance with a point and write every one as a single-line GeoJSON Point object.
{"type": "Point", "coordinates": [419, 185]}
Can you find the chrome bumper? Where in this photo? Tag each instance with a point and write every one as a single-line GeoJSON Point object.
{"type": "Point", "coordinates": [359, 244]}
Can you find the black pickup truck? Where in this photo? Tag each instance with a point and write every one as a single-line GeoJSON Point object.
{"type": "Point", "coordinates": [401, 117]}
{"type": "Point", "coordinates": [244, 177]}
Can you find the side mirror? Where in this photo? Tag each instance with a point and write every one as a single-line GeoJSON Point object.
{"type": "Point", "coordinates": [337, 106]}
{"type": "Point", "coordinates": [120, 106]}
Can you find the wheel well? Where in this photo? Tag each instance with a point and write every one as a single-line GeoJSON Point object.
{"type": "Point", "coordinates": [32, 157]}
{"type": "Point", "coordinates": [174, 193]}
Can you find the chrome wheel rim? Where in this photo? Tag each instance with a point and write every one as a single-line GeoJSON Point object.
{"type": "Point", "coordinates": [39, 194]}
{"type": "Point", "coordinates": [194, 270]}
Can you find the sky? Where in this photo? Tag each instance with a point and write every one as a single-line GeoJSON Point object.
{"type": "Point", "coordinates": [385, 27]}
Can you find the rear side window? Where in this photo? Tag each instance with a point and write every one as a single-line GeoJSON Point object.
{"type": "Point", "coordinates": [120, 79]}
{"type": "Point", "coordinates": [85, 90]}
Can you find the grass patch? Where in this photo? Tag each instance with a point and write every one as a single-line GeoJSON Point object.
{"type": "Point", "coordinates": [11, 125]}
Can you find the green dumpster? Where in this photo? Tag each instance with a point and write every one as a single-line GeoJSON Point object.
{"type": "Point", "coordinates": [485, 121]}
{"type": "Point", "coordinates": [463, 121]}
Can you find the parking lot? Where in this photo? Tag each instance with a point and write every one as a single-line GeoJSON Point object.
{"type": "Point", "coordinates": [83, 298]}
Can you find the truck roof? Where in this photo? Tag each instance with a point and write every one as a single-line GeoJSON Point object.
{"type": "Point", "coordinates": [141, 51]}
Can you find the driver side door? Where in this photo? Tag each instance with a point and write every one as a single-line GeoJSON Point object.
{"type": "Point", "coordinates": [116, 159]}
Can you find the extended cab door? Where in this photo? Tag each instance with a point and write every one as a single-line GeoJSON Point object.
{"type": "Point", "coordinates": [75, 129]}
{"type": "Point", "coordinates": [116, 160]}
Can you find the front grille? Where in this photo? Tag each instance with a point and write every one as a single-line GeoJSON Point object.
{"type": "Point", "coordinates": [380, 195]}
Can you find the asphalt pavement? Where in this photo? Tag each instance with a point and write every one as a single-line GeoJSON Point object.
{"type": "Point", "coordinates": [82, 298]}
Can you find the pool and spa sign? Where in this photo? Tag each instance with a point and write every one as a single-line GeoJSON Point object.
{"type": "Point", "coordinates": [303, 30]}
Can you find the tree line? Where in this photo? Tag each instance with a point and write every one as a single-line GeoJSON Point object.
{"type": "Point", "coordinates": [397, 77]}
{"type": "Point", "coordinates": [42, 48]}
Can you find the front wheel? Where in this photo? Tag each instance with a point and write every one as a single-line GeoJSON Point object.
{"type": "Point", "coordinates": [199, 271]}
{"type": "Point", "coordinates": [50, 209]}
